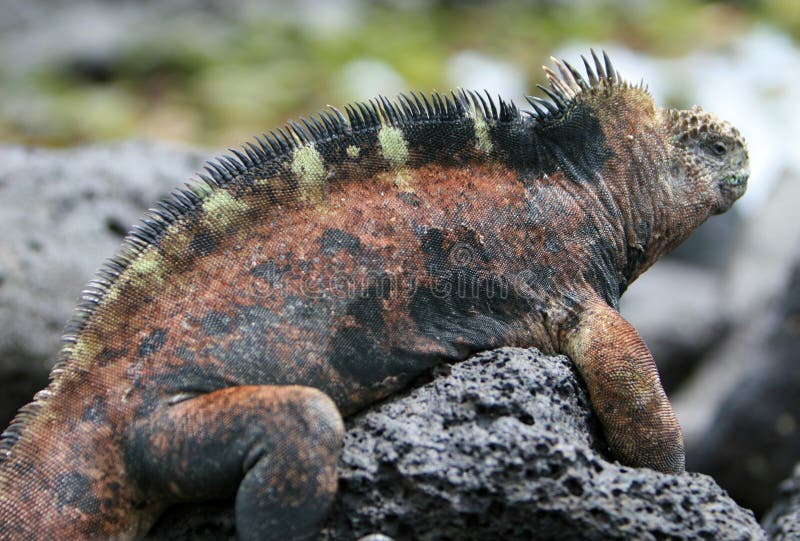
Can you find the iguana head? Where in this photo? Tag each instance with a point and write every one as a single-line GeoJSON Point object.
{"type": "Point", "coordinates": [710, 155]}
{"type": "Point", "coordinates": [670, 169]}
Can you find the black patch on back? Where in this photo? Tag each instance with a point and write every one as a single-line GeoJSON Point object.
{"type": "Point", "coordinates": [445, 142]}
{"type": "Point", "coordinates": [432, 245]}
{"type": "Point", "coordinates": [356, 353]}
{"type": "Point", "coordinates": [574, 144]}
{"type": "Point", "coordinates": [74, 489]}
{"type": "Point", "coordinates": [216, 323]}
{"type": "Point", "coordinates": [334, 241]}
{"type": "Point", "coordinates": [203, 243]}
{"type": "Point", "coordinates": [96, 412]}
{"type": "Point", "coordinates": [367, 308]}
{"type": "Point", "coordinates": [184, 353]}
{"type": "Point", "coordinates": [409, 198]}
{"type": "Point", "coordinates": [467, 307]}
{"type": "Point", "coordinates": [461, 248]}
{"type": "Point", "coordinates": [153, 342]}
{"type": "Point", "coordinates": [270, 271]}
{"type": "Point", "coordinates": [108, 355]}
{"type": "Point", "coordinates": [357, 350]}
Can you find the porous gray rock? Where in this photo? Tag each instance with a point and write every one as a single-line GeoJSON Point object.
{"type": "Point", "coordinates": [501, 446]}
{"type": "Point", "coordinates": [505, 447]}
{"type": "Point", "coordinates": [63, 212]}
{"type": "Point", "coordinates": [782, 523]}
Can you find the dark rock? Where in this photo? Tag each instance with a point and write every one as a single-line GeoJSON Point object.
{"type": "Point", "coordinates": [754, 440]}
{"type": "Point", "coordinates": [782, 523]}
{"type": "Point", "coordinates": [67, 211]}
{"type": "Point", "coordinates": [501, 446]}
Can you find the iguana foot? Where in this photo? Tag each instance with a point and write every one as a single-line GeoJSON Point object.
{"type": "Point", "coordinates": [625, 390]}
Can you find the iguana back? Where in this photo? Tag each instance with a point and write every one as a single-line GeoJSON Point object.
{"type": "Point", "coordinates": [327, 265]}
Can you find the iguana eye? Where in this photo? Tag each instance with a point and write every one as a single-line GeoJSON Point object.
{"type": "Point", "coordinates": [719, 148]}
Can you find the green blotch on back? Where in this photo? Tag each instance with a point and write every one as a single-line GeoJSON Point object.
{"type": "Point", "coordinates": [393, 146]}
{"type": "Point", "coordinates": [483, 139]}
{"type": "Point", "coordinates": [307, 164]}
{"type": "Point", "coordinates": [222, 209]}
{"type": "Point", "coordinates": [353, 151]}
{"type": "Point", "coordinates": [403, 181]}
{"type": "Point", "coordinates": [86, 348]}
{"type": "Point", "coordinates": [148, 266]}
{"type": "Point", "coordinates": [395, 150]}
{"type": "Point", "coordinates": [145, 273]}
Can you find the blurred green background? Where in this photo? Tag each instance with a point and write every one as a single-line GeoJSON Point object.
{"type": "Point", "coordinates": [214, 73]}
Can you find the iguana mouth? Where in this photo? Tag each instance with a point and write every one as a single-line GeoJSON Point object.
{"type": "Point", "coordinates": [736, 180]}
{"type": "Point", "coordinates": [731, 188]}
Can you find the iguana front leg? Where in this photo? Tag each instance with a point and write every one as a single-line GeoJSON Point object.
{"type": "Point", "coordinates": [625, 389]}
{"type": "Point", "coordinates": [274, 447]}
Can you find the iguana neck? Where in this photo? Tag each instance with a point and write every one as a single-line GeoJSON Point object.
{"type": "Point", "coordinates": [644, 194]}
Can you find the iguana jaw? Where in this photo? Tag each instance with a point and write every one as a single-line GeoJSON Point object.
{"type": "Point", "coordinates": [731, 188]}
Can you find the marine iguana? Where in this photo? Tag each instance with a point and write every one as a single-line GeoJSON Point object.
{"type": "Point", "coordinates": [326, 265]}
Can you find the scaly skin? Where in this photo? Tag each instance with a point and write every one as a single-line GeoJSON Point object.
{"type": "Point", "coordinates": [326, 267]}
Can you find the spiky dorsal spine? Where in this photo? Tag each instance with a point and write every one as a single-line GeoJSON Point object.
{"type": "Point", "coordinates": [567, 84]}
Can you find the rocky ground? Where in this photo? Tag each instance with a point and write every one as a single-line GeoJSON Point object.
{"type": "Point", "coordinates": [782, 523]}
{"type": "Point", "coordinates": [510, 440]}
